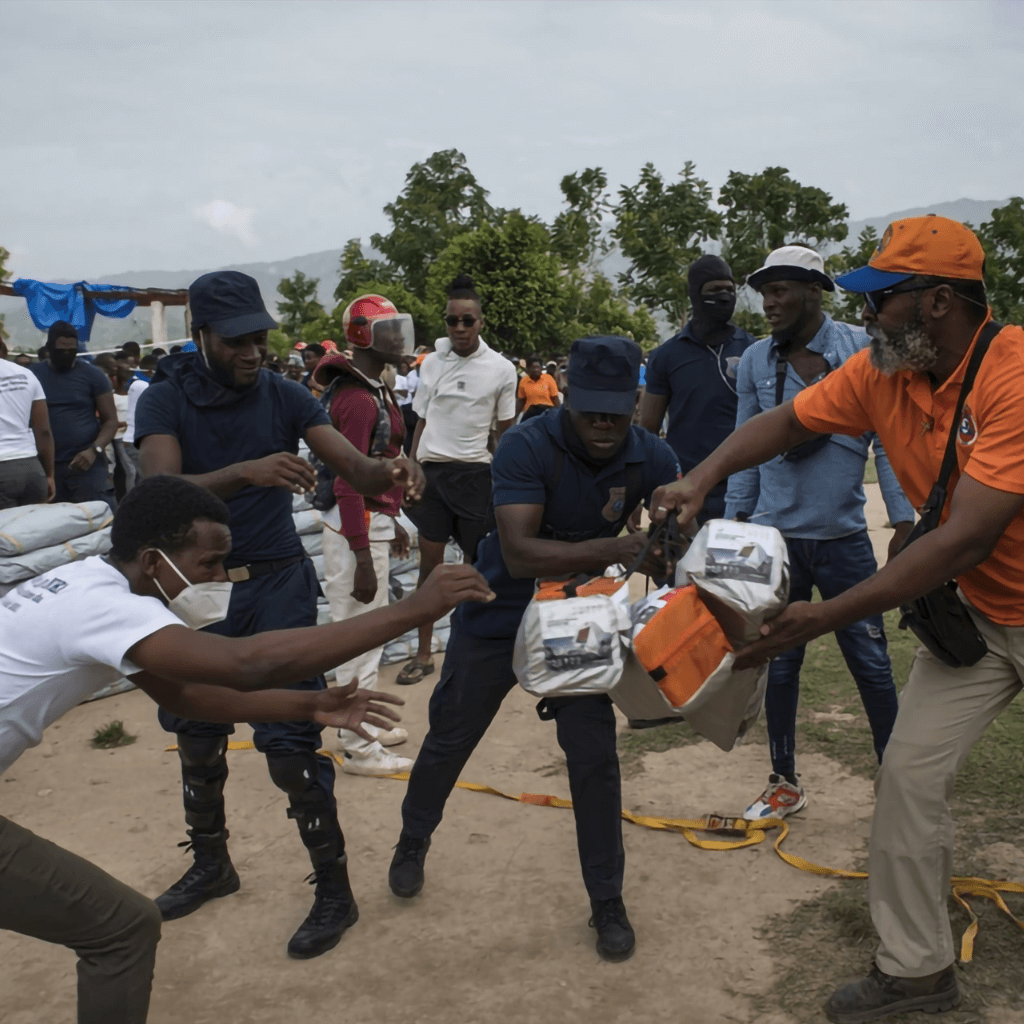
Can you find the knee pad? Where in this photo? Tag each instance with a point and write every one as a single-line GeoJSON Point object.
{"type": "Point", "coordinates": [202, 751]}
{"type": "Point", "coordinates": [204, 770]}
{"type": "Point", "coordinates": [312, 809]}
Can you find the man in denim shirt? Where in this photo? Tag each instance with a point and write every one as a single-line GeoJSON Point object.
{"type": "Point", "coordinates": [815, 497]}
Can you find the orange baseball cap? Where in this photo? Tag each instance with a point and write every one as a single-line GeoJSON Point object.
{"type": "Point", "coordinates": [930, 246]}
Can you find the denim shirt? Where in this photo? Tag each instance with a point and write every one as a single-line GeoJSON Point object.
{"type": "Point", "coordinates": [820, 497]}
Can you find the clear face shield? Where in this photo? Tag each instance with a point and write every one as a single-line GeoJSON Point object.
{"type": "Point", "coordinates": [393, 337]}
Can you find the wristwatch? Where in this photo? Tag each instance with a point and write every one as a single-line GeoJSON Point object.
{"type": "Point", "coordinates": [97, 449]}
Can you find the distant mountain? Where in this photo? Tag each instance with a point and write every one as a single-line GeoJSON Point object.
{"type": "Point", "coordinates": [326, 266]}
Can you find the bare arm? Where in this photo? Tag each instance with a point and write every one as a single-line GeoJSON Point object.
{"type": "Point", "coordinates": [108, 419]}
{"type": "Point", "coordinates": [366, 475]}
{"type": "Point", "coordinates": [529, 556]}
{"type": "Point", "coordinates": [39, 421]}
{"type": "Point", "coordinates": [416, 435]}
{"type": "Point", "coordinates": [161, 453]}
{"type": "Point", "coordinates": [179, 655]}
{"type": "Point", "coordinates": [761, 438]}
{"type": "Point", "coordinates": [978, 516]}
{"type": "Point", "coordinates": [652, 411]}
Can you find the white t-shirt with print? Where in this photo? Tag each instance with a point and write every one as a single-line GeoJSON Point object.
{"type": "Point", "coordinates": [19, 388]}
{"type": "Point", "coordinates": [461, 397]}
{"type": "Point", "coordinates": [63, 636]}
{"type": "Point", "coordinates": [121, 408]}
{"type": "Point", "coordinates": [134, 391]}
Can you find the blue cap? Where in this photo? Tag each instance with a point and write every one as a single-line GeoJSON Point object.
{"type": "Point", "coordinates": [867, 279]}
{"type": "Point", "coordinates": [604, 374]}
{"type": "Point", "coordinates": [228, 302]}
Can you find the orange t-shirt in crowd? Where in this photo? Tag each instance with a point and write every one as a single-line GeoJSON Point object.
{"type": "Point", "coordinates": [913, 423]}
{"type": "Point", "coordinates": [542, 391]}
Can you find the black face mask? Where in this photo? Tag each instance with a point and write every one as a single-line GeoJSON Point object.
{"type": "Point", "coordinates": [719, 307]}
{"type": "Point", "coordinates": [63, 359]}
{"type": "Point", "coordinates": [711, 313]}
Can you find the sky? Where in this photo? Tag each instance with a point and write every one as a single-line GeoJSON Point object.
{"type": "Point", "coordinates": [171, 136]}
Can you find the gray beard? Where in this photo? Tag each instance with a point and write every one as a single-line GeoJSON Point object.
{"type": "Point", "coordinates": [906, 348]}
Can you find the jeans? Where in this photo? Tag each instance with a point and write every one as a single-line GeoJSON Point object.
{"type": "Point", "coordinates": [54, 895]}
{"type": "Point", "coordinates": [476, 676]}
{"type": "Point", "coordinates": [22, 482]}
{"type": "Point", "coordinates": [282, 600]}
{"type": "Point", "coordinates": [833, 566]}
{"type": "Point", "coordinates": [92, 485]}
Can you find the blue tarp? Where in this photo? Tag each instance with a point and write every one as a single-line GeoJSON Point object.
{"type": "Point", "coordinates": [48, 303]}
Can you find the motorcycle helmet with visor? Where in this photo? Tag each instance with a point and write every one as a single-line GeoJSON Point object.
{"type": "Point", "coordinates": [373, 322]}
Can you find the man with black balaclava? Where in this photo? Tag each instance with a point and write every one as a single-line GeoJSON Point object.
{"type": "Point", "coordinates": [83, 418]}
{"type": "Point", "coordinates": [218, 418]}
{"type": "Point", "coordinates": [692, 376]}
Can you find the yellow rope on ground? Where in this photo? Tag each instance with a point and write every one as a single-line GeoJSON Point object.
{"type": "Point", "coordinates": [747, 833]}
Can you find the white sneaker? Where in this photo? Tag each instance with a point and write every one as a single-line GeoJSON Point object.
{"type": "Point", "coordinates": [376, 761]}
{"type": "Point", "coordinates": [391, 737]}
{"type": "Point", "coordinates": [780, 799]}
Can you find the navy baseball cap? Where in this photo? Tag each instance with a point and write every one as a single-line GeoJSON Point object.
{"type": "Point", "coordinates": [229, 303]}
{"type": "Point", "coordinates": [604, 373]}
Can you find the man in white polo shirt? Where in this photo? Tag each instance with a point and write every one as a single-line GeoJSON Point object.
{"type": "Point", "coordinates": [70, 632]}
{"type": "Point", "coordinates": [465, 390]}
{"type": "Point", "coordinates": [26, 444]}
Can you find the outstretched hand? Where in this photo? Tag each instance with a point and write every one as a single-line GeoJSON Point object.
{"type": "Point", "coordinates": [681, 496]}
{"type": "Point", "coordinates": [795, 625]}
{"type": "Point", "coordinates": [447, 586]}
{"type": "Point", "coordinates": [409, 475]}
{"type": "Point", "coordinates": [347, 707]}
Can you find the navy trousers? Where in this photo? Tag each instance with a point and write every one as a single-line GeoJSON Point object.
{"type": "Point", "coordinates": [832, 566]}
{"type": "Point", "coordinates": [282, 600]}
{"type": "Point", "coordinates": [476, 676]}
{"type": "Point", "coordinates": [92, 485]}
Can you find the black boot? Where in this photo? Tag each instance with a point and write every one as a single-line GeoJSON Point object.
{"type": "Point", "coordinates": [880, 995]}
{"type": "Point", "coordinates": [334, 911]}
{"type": "Point", "coordinates": [204, 770]}
{"type": "Point", "coordinates": [405, 876]}
{"type": "Point", "coordinates": [212, 874]}
{"type": "Point", "coordinates": [615, 938]}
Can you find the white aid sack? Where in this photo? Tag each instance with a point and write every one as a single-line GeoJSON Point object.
{"type": "Point", "coordinates": [573, 645]}
{"type": "Point", "coordinates": [33, 563]}
{"type": "Point", "coordinates": [741, 572]}
{"type": "Point", "coordinates": [31, 527]}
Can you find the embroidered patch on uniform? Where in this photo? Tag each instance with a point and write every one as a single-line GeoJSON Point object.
{"type": "Point", "coordinates": [732, 364]}
{"type": "Point", "coordinates": [616, 500]}
{"type": "Point", "coordinates": [968, 432]}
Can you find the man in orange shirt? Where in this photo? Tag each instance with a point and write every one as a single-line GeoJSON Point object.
{"type": "Point", "coordinates": [925, 308]}
{"type": "Point", "coordinates": [537, 392]}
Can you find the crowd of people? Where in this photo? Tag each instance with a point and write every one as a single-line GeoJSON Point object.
{"type": "Point", "coordinates": [534, 468]}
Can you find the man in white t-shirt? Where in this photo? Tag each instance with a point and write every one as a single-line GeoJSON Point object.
{"type": "Point", "coordinates": [70, 632]}
{"type": "Point", "coordinates": [26, 444]}
{"type": "Point", "coordinates": [128, 452]}
{"type": "Point", "coordinates": [465, 388]}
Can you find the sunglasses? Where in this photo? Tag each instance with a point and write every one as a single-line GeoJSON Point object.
{"type": "Point", "coordinates": [876, 300]}
{"type": "Point", "coordinates": [466, 321]}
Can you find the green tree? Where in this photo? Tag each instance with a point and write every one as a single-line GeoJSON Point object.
{"type": "Point", "coordinates": [847, 305]}
{"type": "Point", "coordinates": [767, 210]}
{"type": "Point", "coordinates": [517, 276]}
{"type": "Point", "coordinates": [300, 305]}
{"type": "Point", "coordinates": [577, 232]}
{"type": "Point", "coordinates": [660, 229]}
{"type": "Point", "coordinates": [356, 268]}
{"type": "Point", "coordinates": [280, 343]}
{"type": "Point", "coordinates": [592, 305]}
{"type": "Point", "coordinates": [441, 200]}
{"type": "Point", "coordinates": [1002, 238]}
{"type": "Point", "coordinates": [426, 322]}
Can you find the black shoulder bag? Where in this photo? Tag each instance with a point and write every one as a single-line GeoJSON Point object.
{"type": "Point", "coordinates": [939, 619]}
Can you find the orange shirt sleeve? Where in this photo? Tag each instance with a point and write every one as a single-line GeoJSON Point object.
{"type": "Point", "coordinates": [993, 418]}
{"type": "Point", "coordinates": [839, 404]}
{"type": "Point", "coordinates": [521, 390]}
{"type": "Point", "coordinates": [552, 387]}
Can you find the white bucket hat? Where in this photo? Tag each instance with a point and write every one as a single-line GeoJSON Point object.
{"type": "Point", "coordinates": [792, 263]}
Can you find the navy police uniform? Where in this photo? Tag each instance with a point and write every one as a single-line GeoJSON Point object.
{"type": "Point", "coordinates": [534, 465]}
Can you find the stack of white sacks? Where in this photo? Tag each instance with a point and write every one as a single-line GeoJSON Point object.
{"type": "Point", "coordinates": [401, 581]}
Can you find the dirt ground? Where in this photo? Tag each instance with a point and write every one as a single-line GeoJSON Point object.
{"type": "Point", "coordinates": [499, 933]}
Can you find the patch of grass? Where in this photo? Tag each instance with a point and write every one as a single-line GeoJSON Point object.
{"type": "Point", "coordinates": [112, 735]}
{"type": "Point", "coordinates": [870, 472]}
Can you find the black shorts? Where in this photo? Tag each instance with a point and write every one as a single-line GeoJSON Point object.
{"type": "Point", "coordinates": [456, 504]}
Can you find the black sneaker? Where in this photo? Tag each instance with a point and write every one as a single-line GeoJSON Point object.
{"type": "Point", "coordinates": [334, 911]}
{"type": "Point", "coordinates": [879, 995]}
{"type": "Point", "coordinates": [212, 875]}
{"type": "Point", "coordinates": [615, 938]}
{"type": "Point", "coordinates": [405, 876]}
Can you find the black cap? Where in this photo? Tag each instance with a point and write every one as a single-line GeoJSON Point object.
{"type": "Point", "coordinates": [604, 373]}
{"type": "Point", "coordinates": [229, 303]}
{"type": "Point", "coordinates": [61, 329]}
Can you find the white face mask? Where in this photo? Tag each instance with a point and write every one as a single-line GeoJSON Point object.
{"type": "Point", "coordinates": [199, 604]}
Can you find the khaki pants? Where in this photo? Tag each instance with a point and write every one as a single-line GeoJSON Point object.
{"type": "Point", "coordinates": [339, 576]}
{"type": "Point", "coordinates": [943, 712]}
{"type": "Point", "coordinates": [53, 895]}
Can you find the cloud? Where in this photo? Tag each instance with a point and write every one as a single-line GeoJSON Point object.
{"type": "Point", "coordinates": [228, 219]}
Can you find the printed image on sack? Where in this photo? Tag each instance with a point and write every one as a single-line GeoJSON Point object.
{"type": "Point", "coordinates": [588, 646]}
{"type": "Point", "coordinates": [737, 558]}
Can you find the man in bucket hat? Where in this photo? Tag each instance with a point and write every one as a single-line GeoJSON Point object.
{"type": "Point", "coordinates": [814, 496]}
{"type": "Point", "coordinates": [925, 309]}
{"type": "Point", "coordinates": [216, 417]}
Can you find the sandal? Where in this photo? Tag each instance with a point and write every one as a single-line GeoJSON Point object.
{"type": "Point", "coordinates": [414, 672]}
